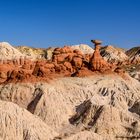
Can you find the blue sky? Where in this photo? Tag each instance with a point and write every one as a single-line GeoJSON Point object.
{"type": "Point", "coordinates": [45, 23]}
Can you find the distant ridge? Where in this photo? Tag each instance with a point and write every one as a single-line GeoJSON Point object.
{"type": "Point", "coordinates": [111, 53]}
{"type": "Point", "coordinates": [134, 54]}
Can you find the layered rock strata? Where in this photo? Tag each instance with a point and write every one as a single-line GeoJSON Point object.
{"type": "Point", "coordinates": [93, 108]}
{"type": "Point", "coordinates": [65, 62]}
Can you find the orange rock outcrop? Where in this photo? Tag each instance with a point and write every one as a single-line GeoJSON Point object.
{"type": "Point", "coordinates": [65, 62]}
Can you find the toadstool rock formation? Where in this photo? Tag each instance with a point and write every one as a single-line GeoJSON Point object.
{"type": "Point", "coordinates": [97, 62]}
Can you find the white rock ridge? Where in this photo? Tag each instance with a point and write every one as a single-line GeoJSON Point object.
{"type": "Point", "coordinates": [8, 52]}
{"type": "Point", "coordinates": [113, 54]}
{"type": "Point", "coordinates": [84, 48]}
{"type": "Point", "coordinates": [134, 54]}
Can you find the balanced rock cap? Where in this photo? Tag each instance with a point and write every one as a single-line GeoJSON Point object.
{"type": "Point", "coordinates": [96, 42]}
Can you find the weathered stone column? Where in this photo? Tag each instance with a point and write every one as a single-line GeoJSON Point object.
{"type": "Point", "coordinates": [97, 63]}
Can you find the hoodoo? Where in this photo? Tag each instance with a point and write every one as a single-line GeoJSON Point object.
{"type": "Point", "coordinates": [97, 62]}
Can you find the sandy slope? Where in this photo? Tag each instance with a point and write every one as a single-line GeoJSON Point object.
{"type": "Point", "coordinates": [18, 124]}
{"type": "Point", "coordinates": [70, 105]}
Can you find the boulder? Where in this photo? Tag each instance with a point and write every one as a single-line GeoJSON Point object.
{"type": "Point", "coordinates": [68, 66]}
{"type": "Point", "coordinates": [49, 65]}
{"type": "Point", "coordinates": [78, 52]}
{"type": "Point", "coordinates": [66, 49]}
{"type": "Point", "coordinates": [77, 62]}
{"type": "Point", "coordinates": [59, 58]}
{"type": "Point", "coordinates": [3, 75]}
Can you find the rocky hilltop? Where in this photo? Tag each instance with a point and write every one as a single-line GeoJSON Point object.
{"type": "Point", "coordinates": [113, 54]}
{"type": "Point", "coordinates": [8, 52]}
{"type": "Point", "coordinates": [65, 62]}
{"type": "Point", "coordinates": [134, 54]}
{"type": "Point", "coordinates": [78, 93]}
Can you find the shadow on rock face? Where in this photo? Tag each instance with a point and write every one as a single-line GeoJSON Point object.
{"type": "Point", "coordinates": [32, 105]}
{"type": "Point", "coordinates": [81, 110]}
{"type": "Point", "coordinates": [135, 108]}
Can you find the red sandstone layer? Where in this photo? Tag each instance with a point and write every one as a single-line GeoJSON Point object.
{"type": "Point", "coordinates": [65, 62]}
